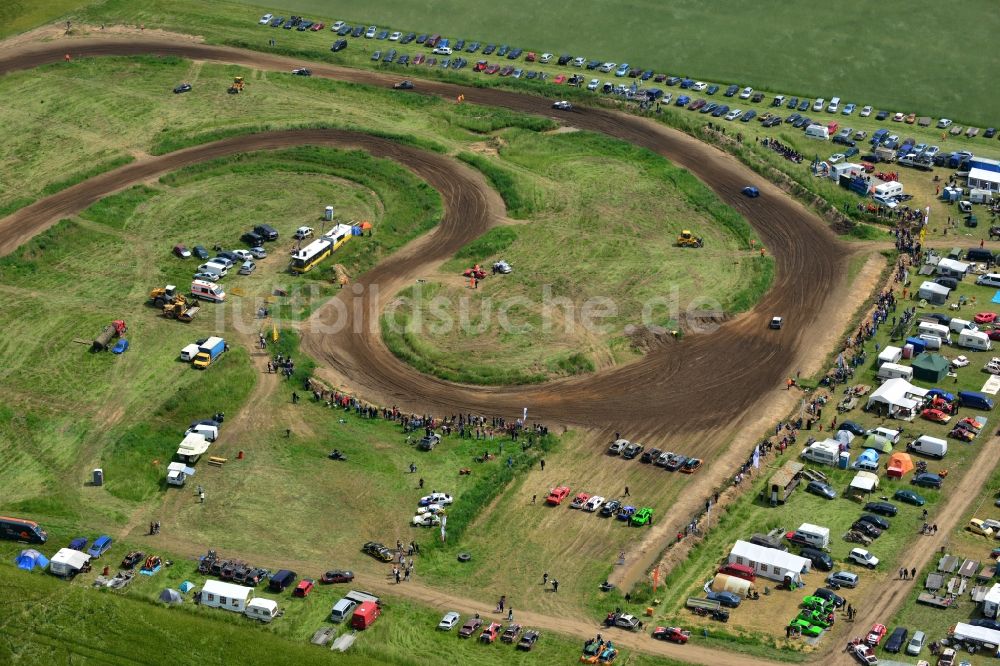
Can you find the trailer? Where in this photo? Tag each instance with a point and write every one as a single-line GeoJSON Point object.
{"type": "Point", "coordinates": [929, 599]}
{"type": "Point", "coordinates": [695, 603]}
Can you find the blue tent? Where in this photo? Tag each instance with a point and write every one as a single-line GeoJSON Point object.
{"type": "Point", "coordinates": [186, 586]}
{"type": "Point", "coordinates": [356, 230]}
{"type": "Point", "coordinates": [31, 558]}
{"type": "Point", "coordinates": [869, 455]}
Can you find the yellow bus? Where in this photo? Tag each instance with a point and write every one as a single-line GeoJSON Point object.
{"type": "Point", "coordinates": [305, 259]}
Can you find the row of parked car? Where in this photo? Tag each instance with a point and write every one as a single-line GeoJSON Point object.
{"type": "Point", "coordinates": [513, 633]}
{"type": "Point", "coordinates": [666, 459]}
{"type": "Point", "coordinates": [446, 47]}
{"type": "Point", "coordinates": [608, 508]}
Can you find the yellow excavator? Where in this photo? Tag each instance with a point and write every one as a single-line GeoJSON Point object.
{"type": "Point", "coordinates": [173, 304]}
{"type": "Point", "coordinates": [237, 86]}
{"type": "Point", "coordinates": [687, 239]}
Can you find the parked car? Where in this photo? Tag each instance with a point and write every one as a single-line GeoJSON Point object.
{"type": "Point", "coordinates": [182, 252]}
{"type": "Point", "coordinates": [339, 45]}
{"type": "Point", "coordinates": [182, 88]}
{"type": "Point", "coordinates": [863, 557]}
{"type": "Point", "coordinates": [819, 559]}
{"type": "Point", "coordinates": [579, 501]}
{"type": "Point", "coordinates": [470, 627]}
{"type": "Point", "coordinates": [843, 579]}
{"type": "Point", "coordinates": [100, 546]}
{"type": "Point", "coordinates": [557, 495]}
{"type": "Point", "coordinates": [594, 503]}
{"type": "Point", "coordinates": [727, 599]}
{"type": "Point", "coordinates": [611, 508]}
{"type": "Point", "coordinates": [449, 621]}
{"type": "Point", "coordinates": [877, 521]}
{"type": "Point", "coordinates": [875, 635]}
{"type": "Point", "coordinates": [336, 576]}
{"type": "Point", "coordinates": [304, 587]}
{"type": "Point", "coordinates": [821, 489]}
{"type": "Point", "coordinates": [927, 480]}
{"type": "Point", "coordinates": [916, 643]}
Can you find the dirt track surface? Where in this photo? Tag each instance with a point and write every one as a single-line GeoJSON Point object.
{"type": "Point", "coordinates": [682, 388]}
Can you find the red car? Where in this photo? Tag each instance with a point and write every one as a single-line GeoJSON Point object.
{"type": "Point", "coordinates": [994, 334]}
{"type": "Point", "coordinates": [971, 424]}
{"type": "Point", "coordinates": [672, 634]}
{"type": "Point", "coordinates": [182, 251]}
{"type": "Point", "coordinates": [935, 415]}
{"type": "Point", "coordinates": [418, 59]}
{"type": "Point", "coordinates": [876, 634]}
{"type": "Point", "coordinates": [985, 317]}
{"type": "Point", "coordinates": [316, 27]}
{"type": "Point", "coordinates": [336, 576]}
{"type": "Point", "coordinates": [506, 71]}
{"type": "Point", "coordinates": [530, 57]}
{"type": "Point", "coordinates": [559, 79]}
{"type": "Point", "coordinates": [557, 495]}
{"type": "Point", "coordinates": [480, 66]}
{"type": "Point", "coordinates": [304, 587]}
{"type": "Point", "coordinates": [962, 434]}
{"type": "Point", "coordinates": [492, 69]}
{"type": "Point", "coordinates": [490, 633]}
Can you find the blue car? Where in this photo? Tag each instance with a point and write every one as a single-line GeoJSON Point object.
{"type": "Point", "coordinates": [938, 393]}
{"type": "Point", "coordinates": [727, 599]}
{"type": "Point", "coordinates": [749, 115]}
{"type": "Point", "coordinates": [712, 89]}
{"type": "Point", "coordinates": [682, 100]}
{"type": "Point", "coordinates": [79, 543]}
{"type": "Point", "coordinates": [751, 191]}
{"type": "Point", "coordinates": [120, 347]}
{"type": "Point", "coordinates": [622, 69]}
{"type": "Point", "coordinates": [720, 111]}
{"type": "Point", "coordinates": [100, 546]}
{"type": "Point", "coordinates": [626, 513]}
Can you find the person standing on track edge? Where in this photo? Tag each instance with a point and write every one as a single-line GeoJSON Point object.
{"type": "Point", "coordinates": [626, 491]}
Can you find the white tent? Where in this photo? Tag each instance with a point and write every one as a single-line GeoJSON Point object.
{"type": "Point", "coordinates": [968, 632]}
{"type": "Point", "coordinates": [952, 268]}
{"type": "Point", "coordinates": [68, 562]}
{"type": "Point", "coordinates": [984, 179]}
{"type": "Point", "coordinates": [769, 562]}
{"type": "Point", "coordinates": [864, 482]}
{"type": "Point", "coordinates": [899, 397]}
{"type": "Point", "coordinates": [933, 292]}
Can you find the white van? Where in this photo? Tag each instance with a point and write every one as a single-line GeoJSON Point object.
{"type": "Point", "coordinates": [940, 330]}
{"type": "Point", "coordinates": [888, 190]}
{"type": "Point", "coordinates": [208, 291]}
{"type": "Point", "coordinates": [975, 340]}
{"type": "Point", "coordinates": [894, 370]}
{"type": "Point", "coordinates": [834, 105]}
{"type": "Point", "coordinates": [886, 433]}
{"type": "Point", "coordinates": [818, 104]}
{"type": "Point", "coordinates": [881, 200]}
{"type": "Point", "coordinates": [209, 432]}
{"type": "Point", "coordinates": [342, 610]}
{"type": "Point", "coordinates": [989, 280]}
{"type": "Point", "coordinates": [931, 342]}
{"type": "Point", "coordinates": [264, 610]}
{"type": "Point", "coordinates": [928, 446]}
{"type": "Point", "coordinates": [189, 352]}
{"type": "Point", "coordinates": [959, 325]}
{"type": "Point", "coordinates": [820, 132]}
{"type": "Point", "coordinates": [214, 267]}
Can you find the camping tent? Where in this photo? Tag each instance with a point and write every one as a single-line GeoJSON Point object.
{"type": "Point", "coordinates": [186, 586]}
{"type": "Point", "coordinates": [769, 562]}
{"type": "Point", "coordinates": [878, 443]}
{"type": "Point", "coordinates": [844, 437]}
{"type": "Point", "coordinates": [899, 464]}
{"type": "Point", "coordinates": [727, 583]}
{"type": "Point", "coordinates": [171, 596]}
{"type": "Point", "coordinates": [867, 459]}
{"type": "Point", "coordinates": [864, 482]}
{"type": "Point", "coordinates": [31, 558]}
{"type": "Point", "coordinates": [897, 397]}
{"type": "Point", "coordinates": [930, 367]}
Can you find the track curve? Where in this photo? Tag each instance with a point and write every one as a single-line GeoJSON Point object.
{"type": "Point", "coordinates": [691, 387]}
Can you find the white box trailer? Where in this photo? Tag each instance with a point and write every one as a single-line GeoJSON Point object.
{"type": "Point", "coordinates": [890, 355]}
{"type": "Point", "coordinates": [261, 609]}
{"type": "Point", "coordinates": [192, 447]}
{"type": "Point", "coordinates": [975, 340]}
{"type": "Point", "coordinates": [68, 562]}
{"type": "Point", "coordinates": [209, 432]}
{"type": "Point", "coordinates": [817, 535]}
{"type": "Point", "coordinates": [895, 371]}
{"type": "Point", "coordinates": [189, 352]}
{"type": "Point", "coordinates": [230, 597]}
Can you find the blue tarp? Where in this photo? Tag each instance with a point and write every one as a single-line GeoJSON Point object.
{"type": "Point", "coordinates": [996, 297]}
{"type": "Point", "coordinates": [31, 558]}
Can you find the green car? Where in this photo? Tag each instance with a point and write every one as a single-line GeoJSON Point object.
{"type": "Point", "coordinates": [805, 628]}
{"type": "Point", "coordinates": [816, 617]}
{"type": "Point", "coordinates": [643, 516]}
{"type": "Point", "coordinates": [814, 603]}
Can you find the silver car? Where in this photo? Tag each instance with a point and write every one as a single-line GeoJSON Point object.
{"type": "Point", "coordinates": [843, 579]}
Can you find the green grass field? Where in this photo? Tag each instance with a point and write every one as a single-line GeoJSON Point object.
{"type": "Point", "coordinates": [904, 58]}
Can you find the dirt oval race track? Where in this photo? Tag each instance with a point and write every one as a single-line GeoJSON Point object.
{"type": "Point", "coordinates": [696, 385]}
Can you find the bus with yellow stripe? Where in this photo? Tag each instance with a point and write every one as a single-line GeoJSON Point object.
{"type": "Point", "coordinates": [305, 259]}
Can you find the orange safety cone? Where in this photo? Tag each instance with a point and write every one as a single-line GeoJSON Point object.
{"type": "Point", "coordinates": [239, 456]}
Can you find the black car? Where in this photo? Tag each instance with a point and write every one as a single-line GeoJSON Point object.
{"type": "Point", "coordinates": [528, 640]}
{"type": "Point", "coordinates": [731, 90]}
{"type": "Point", "coordinates": [404, 59]}
{"type": "Point", "coordinates": [632, 450]}
{"type": "Point", "coordinates": [182, 88]}
{"type": "Point", "coordinates": [829, 595]}
{"type": "Point", "coordinates": [421, 39]}
{"type": "Point", "coordinates": [407, 38]}
{"type": "Point", "coordinates": [819, 559]}
{"type": "Point", "coordinates": [926, 480]}
{"type": "Point", "coordinates": [720, 111]}
{"type": "Point", "coordinates": [804, 105]}
{"type": "Point", "coordinates": [853, 428]}
{"type": "Point", "coordinates": [489, 48]}
{"type": "Point", "coordinates": [611, 508]}
{"type": "Point", "coordinates": [673, 80]}
{"type": "Point", "coordinates": [358, 31]}
{"type": "Point", "coordinates": [821, 489]}
{"type": "Point", "coordinates": [339, 45]}
{"type": "Point", "coordinates": [712, 89]}
{"type": "Point", "coordinates": [200, 252]}
{"type": "Point", "coordinates": [564, 58]}
{"type": "Point", "coordinates": [390, 56]}
{"type": "Point", "coordinates": [472, 48]}
{"type": "Point", "coordinates": [593, 64]}
{"type": "Point", "coordinates": [877, 521]}
{"type": "Point", "coordinates": [792, 103]}
{"type": "Point", "coordinates": [881, 115]}
{"type": "Point", "coordinates": [987, 623]}
{"type": "Point", "coordinates": [252, 239]}
{"type": "Point", "coordinates": [748, 116]}
{"type": "Point", "coordinates": [277, 22]}
{"type": "Point", "coordinates": [515, 54]}
{"type": "Point", "coordinates": [896, 640]}
{"type": "Point", "coordinates": [458, 46]}
{"type": "Point", "coordinates": [503, 50]}
{"type": "Point", "coordinates": [882, 508]}
{"type": "Point", "coordinates": [403, 85]}
{"type": "Point", "coordinates": [384, 34]}
{"type": "Point", "coordinates": [267, 231]}
{"type": "Point", "coordinates": [866, 528]}
{"type": "Point", "coordinates": [708, 108]}
{"type": "Point", "coordinates": [792, 118]}
{"type": "Point", "coordinates": [305, 25]}
{"type": "Point", "coordinates": [281, 580]}
{"type": "Point", "coordinates": [378, 551]}
{"type": "Point", "coordinates": [345, 30]}
{"type": "Point", "coordinates": [990, 132]}
{"type": "Point", "coordinates": [302, 71]}
{"type": "Point", "coordinates": [804, 121]}
{"type": "Point", "coordinates": [771, 122]}
{"type": "Point", "coordinates": [649, 456]}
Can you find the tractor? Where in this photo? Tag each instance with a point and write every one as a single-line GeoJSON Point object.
{"type": "Point", "coordinates": [687, 239]}
{"type": "Point", "coordinates": [164, 296]}
{"type": "Point", "coordinates": [237, 86]}
{"type": "Point", "coordinates": [173, 304]}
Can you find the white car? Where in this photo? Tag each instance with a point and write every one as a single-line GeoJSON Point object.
{"type": "Point", "coordinates": [747, 92]}
{"type": "Point", "coordinates": [303, 232]}
{"type": "Point", "coordinates": [449, 621]}
{"type": "Point", "coordinates": [608, 67]}
{"type": "Point", "coordinates": [430, 508]}
{"type": "Point", "coordinates": [734, 114]}
{"type": "Point", "coordinates": [370, 33]}
{"type": "Point", "coordinates": [579, 62]}
{"type": "Point", "coordinates": [394, 37]}
{"type": "Point", "coordinates": [867, 111]}
{"type": "Point", "coordinates": [594, 503]}
{"type": "Point", "coordinates": [436, 498]}
{"type": "Point", "coordinates": [617, 446]}
{"type": "Point", "coordinates": [546, 57]}
{"type": "Point", "coordinates": [863, 557]}
{"type": "Point", "coordinates": [337, 25]}
{"type": "Point", "coordinates": [562, 105]}
{"type": "Point", "coordinates": [258, 252]}
{"type": "Point", "coordinates": [699, 86]}
{"type": "Point", "coordinates": [944, 123]}
{"type": "Point", "coordinates": [266, 18]}
{"type": "Point", "coordinates": [898, 117]}
{"type": "Point", "coordinates": [594, 84]}
{"type": "Point", "coordinates": [931, 151]}
{"type": "Point", "coordinates": [243, 254]}
{"type": "Point", "coordinates": [426, 520]}
{"type": "Point", "coordinates": [836, 158]}
{"type": "Point", "coordinates": [442, 50]}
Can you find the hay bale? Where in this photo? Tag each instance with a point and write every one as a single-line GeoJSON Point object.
{"type": "Point", "coordinates": [340, 275]}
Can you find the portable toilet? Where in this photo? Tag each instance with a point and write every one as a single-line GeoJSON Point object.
{"type": "Point", "coordinates": [98, 477]}
{"type": "Point", "coordinates": [908, 350]}
{"type": "Point", "coordinates": [919, 346]}
{"type": "Point", "coordinates": [328, 216]}
{"type": "Point", "coordinates": [844, 460]}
